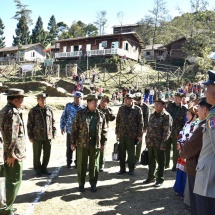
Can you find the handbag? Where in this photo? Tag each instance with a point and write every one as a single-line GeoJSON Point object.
{"type": "Point", "coordinates": [144, 157]}
{"type": "Point", "coordinates": [115, 153]}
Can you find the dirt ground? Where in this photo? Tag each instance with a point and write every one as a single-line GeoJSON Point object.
{"type": "Point", "coordinates": [121, 195]}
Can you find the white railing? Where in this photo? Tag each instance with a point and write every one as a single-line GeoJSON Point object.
{"type": "Point", "coordinates": [8, 58]}
{"type": "Point", "coordinates": [97, 52]}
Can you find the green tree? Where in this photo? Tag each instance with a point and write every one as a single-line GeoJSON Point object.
{"type": "Point", "coordinates": [22, 31]}
{"type": "Point", "coordinates": [38, 33]}
{"type": "Point", "coordinates": [91, 30]}
{"type": "Point", "coordinates": [53, 29]}
{"type": "Point", "coordinates": [2, 38]}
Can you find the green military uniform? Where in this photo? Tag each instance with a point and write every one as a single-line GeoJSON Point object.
{"type": "Point", "coordinates": [178, 114]}
{"type": "Point", "coordinates": [158, 132]}
{"type": "Point", "coordinates": [146, 112]}
{"type": "Point", "coordinates": [109, 117]}
{"type": "Point", "coordinates": [129, 126]}
{"type": "Point", "coordinates": [13, 133]}
{"type": "Point", "coordinates": [88, 133]}
{"type": "Point", "coordinates": [41, 130]}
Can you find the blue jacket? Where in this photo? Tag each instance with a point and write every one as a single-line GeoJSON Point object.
{"type": "Point", "coordinates": [68, 116]}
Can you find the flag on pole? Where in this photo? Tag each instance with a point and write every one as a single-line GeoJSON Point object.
{"type": "Point", "coordinates": [47, 48]}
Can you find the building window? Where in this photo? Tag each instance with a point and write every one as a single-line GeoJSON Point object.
{"type": "Point", "coordinates": [148, 53]}
{"type": "Point", "coordinates": [126, 47]}
{"type": "Point", "coordinates": [104, 44]}
{"type": "Point", "coordinates": [32, 54]}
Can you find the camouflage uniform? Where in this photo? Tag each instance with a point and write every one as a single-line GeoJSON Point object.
{"type": "Point", "coordinates": [41, 130]}
{"type": "Point", "coordinates": [129, 126]}
{"type": "Point", "coordinates": [88, 145]}
{"type": "Point", "coordinates": [66, 120]}
{"type": "Point", "coordinates": [178, 114]}
{"type": "Point", "coordinates": [158, 132]}
{"type": "Point", "coordinates": [109, 117]}
{"type": "Point", "coordinates": [13, 133]}
{"type": "Point", "coordinates": [146, 113]}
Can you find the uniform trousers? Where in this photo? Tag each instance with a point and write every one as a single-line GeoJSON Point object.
{"type": "Point", "coordinates": [172, 141]}
{"type": "Point", "coordinates": [83, 153]}
{"type": "Point", "coordinates": [13, 178]}
{"type": "Point", "coordinates": [156, 155]}
{"type": "Point", "coordinates": [205, 205]}
{"type": "Point", "coordinates": [126, 144]}
{"type": "Point", "coordinates": [38, 146]}
{"type": "Point", "coordinates": [102, 159]}
{"type": "Point", "coordinates": [138, 151]}
{"type": "Point", "coordinates": [69, 152]}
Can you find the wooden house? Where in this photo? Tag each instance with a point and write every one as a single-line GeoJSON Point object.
{"type": "Point", "coordinates": [30, 52]}
{"type": "Point", "coordinates": [175, 49]}
{"type": "Point", "coordinates": [155, 52]}
{"type": "Point", "coordinates": [126, 45]}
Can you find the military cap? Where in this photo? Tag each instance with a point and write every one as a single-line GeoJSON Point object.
{"type": "Point", "coordinates": [193, 110]}
{"type": "Point", "coordinates": [42, 95]}
{"type": "Point", "coordinates": [179, 95]}
{"type": "Point", "coordinates": [162, 100]}
{"type": "Point", "coordinates": [129, 95]}
{"type": "Point", "coordinates": [78, 94]}
{"type": "Point", "coordinates": [3, 88]}
{"type": "Point", "coordinates": [91, 97]}
{"type": "Point", "coordinates": [211, 78]}
{"type": "Point", "coordinates": [192, 96]}
{"type": "Point", "coordinates": [106, 98]}
{"type": "Point", "coordinates": [138, 96]}
{"type": "Point", "coordinates": [15, 92]}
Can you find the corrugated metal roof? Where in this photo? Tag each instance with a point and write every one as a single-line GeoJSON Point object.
{"type": "Point", "coordinates": [155, 46]}
{"type": "Point", "coordinates": [15, 48]}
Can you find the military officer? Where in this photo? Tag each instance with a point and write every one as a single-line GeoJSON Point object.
{"type": "Point", "coordinates": [103, 106]}
{"type": "Point", "coordinates": [13, 133]}
{"type": "Point", "coordinates": [146, 112]}
{"type": "Point", "coordinates": [89, 134]}
{"type": "Point", "coordinates": [129, 129]}
{"type": "Point", "coordinates": [66, 120]}
{"type": "Point", "coordinates": [158, 132]}
{"type": "Point", "coordinates": [41, 130]}
{"type": "Point", "coordinates": [178, 113]}
{"type": "Point", "coordinates": [205, 172]}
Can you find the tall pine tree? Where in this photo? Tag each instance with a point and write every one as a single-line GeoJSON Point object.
{"type": "Point", "coordinates": [2, 38]}
{"type": "Point", "coordinates": [53, 29]}
{"type": "Point", "coordinates": [22, 31]}
{"type": "Point", "coordinates": [38, 33]}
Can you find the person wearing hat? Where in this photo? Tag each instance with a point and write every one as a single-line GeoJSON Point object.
{"type": "Point", "coordinates": [41, 130]}
{"type": "Point", "coordinates": [103, 106]}
{"type": "Point", "coordinates": [158, 132]}
{"type": "Point", "coordinates": [66, 121]}
{"type": "Point", "coordinates": [129, 130]}
{"type": "Point", "coordinates": [178, 113]}
{"type": "Point", "coordinates": [185, 134]}
{"type": "Point", "coordinates": [205, 172]}
{"type": "Point", "coordinates": [89, 135]}
{"type": "Point", "coordinates": [13, 132]}
{"type": "Point", "coordinates": [146, 112]}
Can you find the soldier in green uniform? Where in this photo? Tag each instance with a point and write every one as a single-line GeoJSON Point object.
{"type": "Point", "coordinates": [103, 106]}
{"type": "Point", "coordinates": [178, 113]}
{"type": "Point", "coordinates": [41, 130]}
{"type": "Point", "coordinates": [89, 134]}
{"type": "Point", "coordinates": [129, 129]}
{"type": "Point", "coordinates": [13, 133]}
{"type": "Point", "coordinates": [146, 112]}
{"type": "Point", "coordinates": [158, 132]}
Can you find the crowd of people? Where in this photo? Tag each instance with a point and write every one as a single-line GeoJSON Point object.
{"type": "Point", "coordinates": [185, 127]}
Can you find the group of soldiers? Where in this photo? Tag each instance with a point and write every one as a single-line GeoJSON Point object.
{"type": "Point", "coordinates": [87, 128]}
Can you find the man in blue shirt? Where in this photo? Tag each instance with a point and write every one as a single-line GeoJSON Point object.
{"type": "Point", "coordinates": [66, 121]}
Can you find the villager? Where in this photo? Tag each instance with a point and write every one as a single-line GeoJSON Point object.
{"type": "Point", "coordinates": [146, 94]}
{"type": "Point", "coordinates": [151, 95]}
{"type": "Point", "coordinates": [129, 130]}
{"type": "Point", "coordinates": [204, 182]}
{"type": "Point", "coordinates": [158, 132]}
{"type": "Point", "coordinates": [89, 131]}
{"type": "Point", "coordinates": [103, 106]}
{"type": "Point", "coordinates": [146, 113]}
{"type": "Point", "coordinates": [41, 131]}
{"type": "Point", "coordinates": [13, 132]}
{"type": "Point", "coordinates": [191, 150]}
{"type": "Point", "coordinates": [178, 113]}
{"type": "Point", "coordinates": [66, 121]}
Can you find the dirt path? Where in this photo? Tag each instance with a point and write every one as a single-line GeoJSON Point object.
{"type": "Point", "coordinates": [124, 195]}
